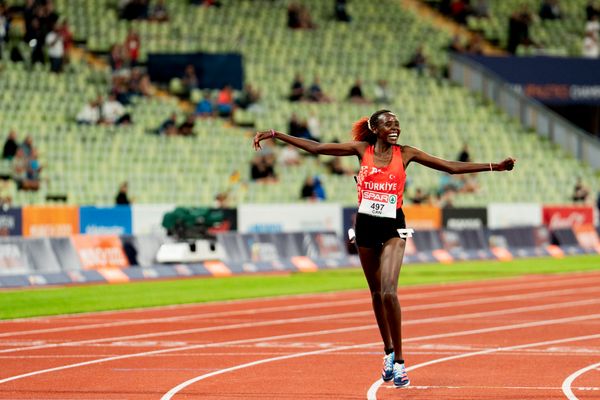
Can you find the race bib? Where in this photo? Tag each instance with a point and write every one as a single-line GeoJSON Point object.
{"type": "Point", "coordinates": [378, 204]}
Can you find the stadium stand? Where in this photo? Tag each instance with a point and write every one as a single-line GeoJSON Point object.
{"type": "Point", "coordinates": [86, 163]}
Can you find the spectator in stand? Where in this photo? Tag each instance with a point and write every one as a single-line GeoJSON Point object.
{"type": "Point", "coordinates": [314, 126]}
{"type": "Point", "coordinates": [355, 95]}
{"type": "Point", "coordinates": [113, 112]}
{"type": "Point", "coordinates": [116, 57]}
{"type": "Point", "coordinates": [134, 9]}
{"type": "Point", "coordinates": [590, 48]}
{"type": "Point", "coordinates": [3, 28]}
{"type": "Point", "coordinates": [518, 29]}
{"type": "Point", "coordinates": [56, 49]}
{"type": "Point", "coordinates": [299, 128]}
{"type": "Point", "coordinates": [159, 12]}
{"type": "Point", "coordinates": [122, 198]}
{"type": "Point", "coordinates": [90, 113]}
{"type": "Point", "coordinates": [580, 192]}
{"type": "Point", "coordinates": [383, 94]}
{"type": "Point", "coordinates": [456, 44]}
{"type": "Point", "coordinates": [460, 10]}
{"type": "Point", "coordinates": [10, 146]}
{"type": "Point", "coordinates": [34, 170]}
{"type": "Point", "coordinates": [190, 80]}
{"type": "Point", "coordinates": [19, 169]}
{"type": "Point", "coordinates": [299, 17]}
{"type": "Point", "coordinates": [316, 94]}
{"type": "Point", "coordinates": [593, 25]}
{"type": "Point", "coordinates": [262, 169]}
{"type": "Point", "coordinates": [297, 91]}
{"type": "Point", "coordinates": [132, 46]}
{"type": "Point", "coordinates": [464, 155]}
{"type": "Point", "coordinates": [67, 37]}
{"type": "Point", "coordinates": [418, 61]}
{"type": "Point", "coordinates": [225, 102]}
{"type": "Point", "coordinates": [248, 98]}
{"type": "Point", "coordinates": [481, 9]}
{"type": "Point", "coordinates": [419, 197]}
{"type": "Point", "coordinates": [341, 13]}
{"type": "Point", "coordinates": [335, 167]}
{"type": "Point", "coordinates": [36, 38]}
{"type": "Point", "coordinates": [475, 45]}
{"type": "Point", "coordinates": [312, 189]}
{"type": "Point", "coordinates": [592, 9]}
{"type": "Point", "coordinates": [169, 126]}
{"type": "Point", "coordinates": [27, 146]}
{"type": "Point", "coordinates": [550, 9]}
{"type": "Point", "coordinates": [205, 107]}
{"type": "Point", "coordinates": [187, 127]}
{"type": "Point", "coordinates": [290, 156]}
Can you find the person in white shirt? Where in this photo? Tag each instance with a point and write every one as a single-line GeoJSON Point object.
{"type": "Point", "coordinates": [56, 49]}
{"type": "Point", "coordinates": [590, 45]}
{"type": "Point", "coordinates": [113, 112]}
{"type": "Point", "coordinates": [89, 114]}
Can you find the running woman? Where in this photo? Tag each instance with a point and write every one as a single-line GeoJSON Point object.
{"type": "Point", "coordinates": [380, 184]}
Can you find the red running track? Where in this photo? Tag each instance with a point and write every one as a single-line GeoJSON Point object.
{"type": "Point", "coordinates": [534, 337]}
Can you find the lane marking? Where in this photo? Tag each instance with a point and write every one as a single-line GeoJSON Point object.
{"type": "Point", "coordinates": [372, 392]}
{"type": "Point", "coordinates": [302, 334]}
{"type": "Point", "coordinates": [442, 292]}
{"type": "Point", "coordinates": [544, 388]}
{"type": "Point", "coordinates": [351, 314]}
{"type": "Point", "coordinates": [566, 386]}
{"type": "Point", "coordinates": [189, 382]}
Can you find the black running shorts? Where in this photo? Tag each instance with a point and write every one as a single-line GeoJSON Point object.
{"type": "Point", "coordinates": [375, 231]}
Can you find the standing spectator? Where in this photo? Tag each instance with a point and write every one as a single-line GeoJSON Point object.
{"type": "Point", "coordinates": [464, 155]}
{"type": "Point", "coordinates": [580, 192]}
{"type": "Point", "coordinates": [297, 92]}
{"type": "Point", "coordinates": [10, 146]}
{"type": "Point", "coordinates": [355, 95]}
{"type": "Point", "coordinates": [35, 37]}
{"type": "Point", "coordinates": [56, 49]}
{"type": "Point", "coordinates": [341, 13]}
{"type": "Point", "coordinates": [122, 198]}
{"type": "Point", "coordinates": [518, 29]}
{"type": "Point", "coordinates": [132, 46]}
{"type": "Point", "coordinates": [550, 9]}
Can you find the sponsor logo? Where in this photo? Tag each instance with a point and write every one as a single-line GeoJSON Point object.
{"type": "Point", "coordinates": [96, 257]}
{"type": "Point", "coordinates": [464, 223]}
{"type": "Point", "coordinates": [567, 217]}
{"type": "Point", "coordinates": [375, 196]}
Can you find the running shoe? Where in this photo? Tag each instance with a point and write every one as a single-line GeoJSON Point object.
{"type": "Point", "coordinates": [400, 376]}
{"type": "Point", "coordinates": [387, 374]}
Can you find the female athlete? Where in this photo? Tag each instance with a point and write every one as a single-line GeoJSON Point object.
{"type": "Point", "coordinates": [380, 185]}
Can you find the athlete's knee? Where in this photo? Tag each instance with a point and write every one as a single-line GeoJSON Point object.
{"type": "Point", "coordinates": [377, 296]}
{"type": "Point", "coordinates": [389, 296]}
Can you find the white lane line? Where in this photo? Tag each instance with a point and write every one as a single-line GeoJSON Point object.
{"type": "Point", "coordinates": [441, 292]}
{"type": "Point", "coordinates": [352, 314]}
{"type": "Point", "coordinates": [353, 329]}
{"type": "Point", "coordinates": [189, 382]}
{"type": "Point", "coordinates": [372, 392]}
{"type": "Point", "coordinates": [566, 386]}
{"type": "Point", "coordinates": [544, 388]}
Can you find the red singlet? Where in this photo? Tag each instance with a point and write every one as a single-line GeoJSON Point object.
{"type": "Point", "coordinates": [380, 190]}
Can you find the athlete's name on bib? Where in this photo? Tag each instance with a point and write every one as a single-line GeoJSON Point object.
{"type": "Point", "coordinates": [385, 186]}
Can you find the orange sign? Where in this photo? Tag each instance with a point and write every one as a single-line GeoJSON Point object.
{"type": "Point", "coordinates": [423, 217]}
{"type": "Point", "coordinates": [100, 251]}
{"type": "Point", "coordinates": [587, 237]}
{"type": "Point", "coordinates": [50, 221]}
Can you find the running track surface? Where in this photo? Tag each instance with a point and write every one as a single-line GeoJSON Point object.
{"type": "Point", "coordinates": [533, 337]}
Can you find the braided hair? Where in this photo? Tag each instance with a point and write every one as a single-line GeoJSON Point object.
{"type": "Point", "coordinates": [363, 129]}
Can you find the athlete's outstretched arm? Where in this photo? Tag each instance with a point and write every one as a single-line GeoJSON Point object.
{"type": "Point", "coordinates": [330, 149]}
{"type": "Point", "coordinates": [453, 167]}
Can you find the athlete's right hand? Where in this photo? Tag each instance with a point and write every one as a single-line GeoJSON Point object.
{"type": "Point", "coordinates": [261, 136]}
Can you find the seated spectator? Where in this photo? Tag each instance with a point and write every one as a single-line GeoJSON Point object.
{"type": "Point", "coordinates": [297, 91]}
{"type": "Point", "coordinates": [355, 95]}
{"type": "Point", "coordinates": [314, 127]}
{"type": "Point", "coordinates": [113, 112]}
{"type": "Point", "coordinates": [312, 189]}
{"type": "Point", "coordinates": [419, 197]}
{"type": "Point", "coordinates": [341, 13]}
{"type": "Point", "coordinates": [464, 155]}
{"type": "Point", "coordinates": [169, 126]}
{"type": "Point", "coordinates": [122, 198]}
{"type": "Point", "coordinates": [590, 47]}
{"type": "Point", "coordinates": [19, 168]}
{"type": "Point", "coordinates": [132, 47]}
{"type": "Point", "coordinates": [10, 146]}
{"type": "Point", "coordinates": [248, 98]}
{"type": "Point", "coordinates": [205, 108]}
{"type": "Point", "coordinates": [27, 146]}
{"type": "Point", "coordinates": [159, 12]}
{"type": "Point", "coordinates": [262, 169]}
{"type": "Point", "coordinates": [225, 102]}
{"type": "Point", "coordinates": [187, 127]}
{"type": "Point", "coordinates": [592, 9]}
{"type": "Point", "coordinates": [190, 80]}
{"type": "Point", "coordinates": [481, 9]}
{"type": "Point", "coordinates": [117, 57]}
{"type": "Point", "coordinates": [290, 156]}
{"type": "Point", "coordinates": [335, 167]}
{"type": "Point", "coordinates": [460, 10]}
{"type": "Point", "coordinates": [299, 128]}
{"type": "Point", "coordinates": [418, 60]}
{"type": "Point", "coordinates": [382, 92]}
{"type": "Point", "coordinates": [580, 192]}
{"type": "Point", "coordinates": [299, 17]}
{"type": "Point", "coordinates": [134, 9]}
{"type": "Point", "coordinates": [90, 113]}
{"type": "Point", "coordinates": [34, 169]}
{"type": "Point", "coordinates": [550, 9]}
{"type": "Point", "coordinates": [315, 93]}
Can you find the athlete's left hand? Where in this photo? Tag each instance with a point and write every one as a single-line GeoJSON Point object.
{"type": "Point", "coordinates": [507, 164]}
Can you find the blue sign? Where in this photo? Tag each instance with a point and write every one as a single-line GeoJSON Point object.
{"type": "Point", "coordinates": [105, 220]}
{"type": "Point", "coordinates": [553, 80]}
{"type": "Point", "coordinates": [11, 222]}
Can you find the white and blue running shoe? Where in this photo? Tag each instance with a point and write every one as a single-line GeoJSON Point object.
{"type": "Point", "coordinates": [400, 376]}
{"type": "Point", "coordinates": [387, 373]}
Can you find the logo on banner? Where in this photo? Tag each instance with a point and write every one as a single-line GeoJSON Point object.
{"type": "Point", "coordinates": [11, 256]}
{"type": "Point", "coordinates": [101, 251]}
{"type": "Point", "coordinates": [568, 216]}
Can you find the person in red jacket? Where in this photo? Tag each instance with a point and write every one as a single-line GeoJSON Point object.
{"type": "Point", "coordinates": [380, 184]}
